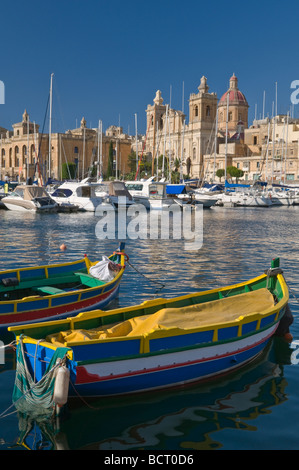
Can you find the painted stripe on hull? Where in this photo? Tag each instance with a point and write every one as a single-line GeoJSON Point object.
{"type": "Point", "coordinates": [58, 312]}
{"type": "Point", "coordinates": [165, 372]}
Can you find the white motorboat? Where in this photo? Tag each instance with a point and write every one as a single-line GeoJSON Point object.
{"type": "Point", "coordinates": [158, 198]}
{"type": "Point", "coordinates": [80, 194]}
{"type": "Point", "coordinates": [29, 198]}
{"type": "Point", "coordinates": [114, 192]}
{"type": "Point", "coordinates": [139, 190]}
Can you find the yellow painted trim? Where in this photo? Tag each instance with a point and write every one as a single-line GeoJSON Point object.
{"type": "Point", "coordinates": [70, 323]}
{"type": "Point", "coordinates": [28, 340]}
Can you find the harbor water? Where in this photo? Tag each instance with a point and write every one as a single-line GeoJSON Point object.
{"type": "Point", "coordinates": [253, 408]}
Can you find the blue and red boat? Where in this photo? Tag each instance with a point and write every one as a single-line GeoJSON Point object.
{"type": "Point", "coordinates": [160, 343]}
{"type": "Point", "coordinates": [57, 291]}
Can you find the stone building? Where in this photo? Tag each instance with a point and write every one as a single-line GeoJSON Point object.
{"type": "Point", "coordinates": [237, 109]}
{"type": "Point", "coordinates": [82, 146]}
{"type": "Point", "coordinates": [194, 142]}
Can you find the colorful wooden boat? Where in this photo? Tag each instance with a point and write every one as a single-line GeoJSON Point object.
{"type": "Point", "coordinates": [55, 291]}
{"type": "Point", "coordinates": [160, 343]}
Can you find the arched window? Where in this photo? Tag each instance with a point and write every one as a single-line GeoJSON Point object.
{"type": "Point", "coordinates": [3, 158]}
{"type": "Point", "coordinates": [16, 156]}
{"type": "Point", "coordinates": [24, 154]}
{"type": "Point", "coordinates": [195, 110]}
{"type": "Point", "coordinates": [208, 111]}
{"type": "Point", "coordinates": [76, 150]}
{"type": "Point", "coordinates": [230, 116]}
{"type": "Point", "coordinates": [32, 153]}
{"type": "Point", "coordinates": [10, 157]}
{"type": "Point", "coordinates": [194, 153]}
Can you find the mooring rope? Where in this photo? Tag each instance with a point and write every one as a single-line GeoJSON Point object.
{"type": "Point", "coordinates": [148, 278]}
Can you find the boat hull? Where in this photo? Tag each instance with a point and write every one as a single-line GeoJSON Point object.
{"type": "Point", "coordinates": [162, 343]}
{"type": "Point", "coordinates": [167, 371]}
{"type": "Point", "coordinates": [69, 308]}
{"type": "Point", "coordinates": [46, 302]}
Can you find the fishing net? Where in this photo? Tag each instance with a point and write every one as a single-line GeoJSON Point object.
{"type": "Point", "coordinates": [35, 398]}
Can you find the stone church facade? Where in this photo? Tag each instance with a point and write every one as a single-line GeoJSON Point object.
{"type": "Point", "coordinates": [168, 132]}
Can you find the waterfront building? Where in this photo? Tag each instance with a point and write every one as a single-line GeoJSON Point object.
{"type": "Point", "coordinates": [203, 151]}
{"type": "Point", "coordinates": [81, 146]}
{"type": "Point", "coordinates": [169, 134]}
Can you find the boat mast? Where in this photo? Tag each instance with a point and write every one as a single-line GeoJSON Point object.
{"type": "Point", "coordinates": [164, 149]}
{"type": "Point", "coordinates": [136, 143]}
{"type": "Point", "coordinates": [215, 144]}
{"type": "Point", "coordinates": [27, 162]}
{"type": "Point", "coordinates": [267, 152]}
{"type": "Point", "coordinates": [286, 149]}
{"type": "Point", "coordinates": [98, 160]}
{"type": "Point", "coordinates": [182, 154]}
{"type": "Point", "coordinates": [226, 132]}
{"type": "Point", "coordinates": [157, 152]}
{"type": "Point", "coordinates": [0, 157]}
{"type": "Point", "coordinates": [50, 125]}
{"type": "Point", "coordinates": [83, 163]}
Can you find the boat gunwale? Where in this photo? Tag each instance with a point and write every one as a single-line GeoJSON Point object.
{"type": "Point", "coordinates": [66, 294]}
{"type": "Point", "coordinates": [167, 332]}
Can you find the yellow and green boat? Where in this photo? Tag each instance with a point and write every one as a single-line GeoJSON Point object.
{"type": "Point", "coordinates": [160, 343]}
{"type": "Point", "coordinates": [56, 291]}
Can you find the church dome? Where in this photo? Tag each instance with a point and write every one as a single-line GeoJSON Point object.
{"type": "Point", "coordinates": [235, 95]}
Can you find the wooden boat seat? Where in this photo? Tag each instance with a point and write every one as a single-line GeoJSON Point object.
{"type": "Point", "coordinates": [48, 290]}
{"type": "Point", "coordinates": [185, 318]}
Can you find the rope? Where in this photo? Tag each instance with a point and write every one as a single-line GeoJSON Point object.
{"type": "Point", "coordinates": [10, 345]}
{"type": "Point", "coordinates": [141, 274]}
{"type": "Point", "coordinates": [3, 415]}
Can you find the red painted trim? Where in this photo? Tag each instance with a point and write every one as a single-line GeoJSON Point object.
{"type": "Point", "coordinates": [51, 313]}
{"type": "Point", "coordinates": [83, 377]}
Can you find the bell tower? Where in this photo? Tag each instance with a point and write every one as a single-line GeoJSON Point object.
{"type": "Point", "coordinates": [203, 105]}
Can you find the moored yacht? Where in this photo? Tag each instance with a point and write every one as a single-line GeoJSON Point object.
{"type": "Point", "coordinates": [81, 194]}
{"type": "Point", "coordinates": [29, 198]}
{"type": "Point", "coordinates": [139, 190]}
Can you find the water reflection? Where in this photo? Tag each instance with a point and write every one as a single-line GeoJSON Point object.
{"type": "Point", "coordinates": [184, 419]}
{"type": "Point", "coordinates": [237, 245]}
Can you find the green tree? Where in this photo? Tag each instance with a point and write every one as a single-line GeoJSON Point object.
{"type": "Point", "coordinates": [220, 173]}
{"type": "Point", "coordinates": [110, 161]}
{"type": "Point", "coordinates": [68, 171]}
{"type": "Point", "coordinates": [234, 172]}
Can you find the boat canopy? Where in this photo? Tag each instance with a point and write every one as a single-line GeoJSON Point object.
{"type": "Point", "coordinates": [185, 318]}
{"type": "Point", "coordinates": [118, 188]}
{"type": "Point", "coordinates": [173, 189]}
{"type": "Point", "coordinates": [31, 192]}
{"type": "Point", "coordinates": [236, 185]}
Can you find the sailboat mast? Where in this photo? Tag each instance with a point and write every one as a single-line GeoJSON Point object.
{"type": "Point", "coordinates": [182, 154]}
{"type": "Point", "coordinates": [267, 152]}
{"type": "Point", "coordinates": [83, 163]}
{"type": "Point", "coordinates": [27, 162]}
{"type": "Point", "coordinates": [286, 149]}
{"type": "Point", "coordinates": [50, 125]}
{"type": "Point", "coordinates": [164, 149]}
{"type": "Point", "coordinates": [1, 157]}
{"type": "Point", "coordinates": [274, 134]}
{"type": "Point", "coordinates": [226, 132]}
{"type": "Point", "coordinates": [98, 153]}
{"type": "Point", "coordinates": [215, 144]}
{"type": "Point", "coordinates": [136, 143]}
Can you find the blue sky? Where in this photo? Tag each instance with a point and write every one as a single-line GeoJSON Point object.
{"type": "Point", "coordinates": [110, 57]}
